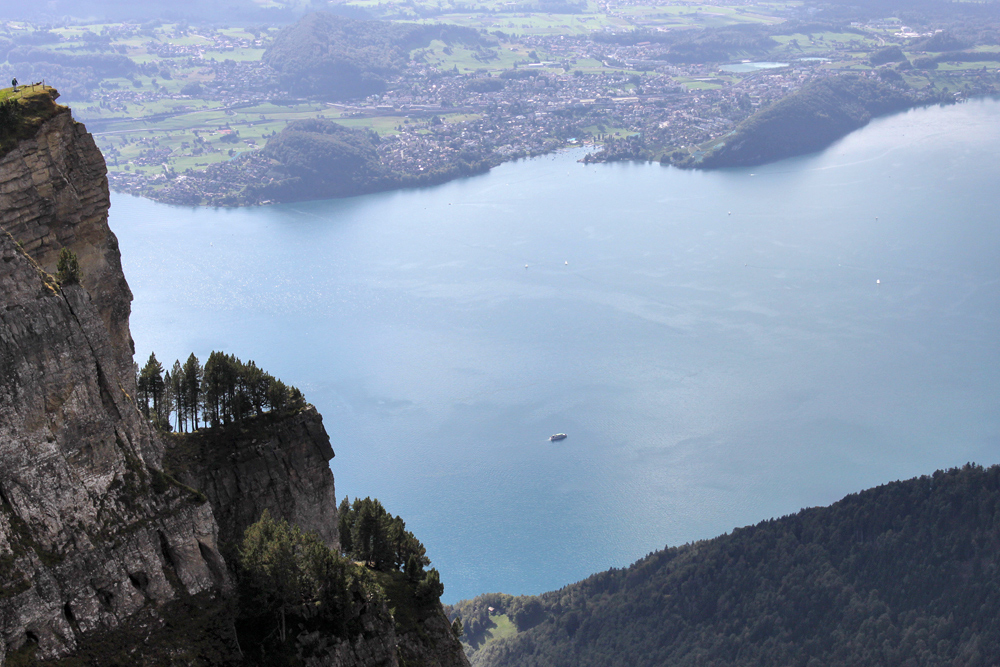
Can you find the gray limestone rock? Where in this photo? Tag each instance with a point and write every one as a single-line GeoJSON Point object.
{"type": "Point", "coordinates": [282, 467]}
{"type": "Point", "coordinates": [84, 540]}
{"type": "Point", "coordinates": [95, 541]}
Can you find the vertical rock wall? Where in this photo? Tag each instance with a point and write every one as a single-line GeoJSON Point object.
{"type": "Point", "coordinates": [87, 535]}
{"type": "Point", "coordinates": [282, 467]}
{"type": "Point", "coordinates": [54, 194]}
{"type": "Point", "coordinates": [91, 531]}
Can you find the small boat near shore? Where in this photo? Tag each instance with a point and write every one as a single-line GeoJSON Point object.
{"type": "Point", "coordinates": [557, 437]}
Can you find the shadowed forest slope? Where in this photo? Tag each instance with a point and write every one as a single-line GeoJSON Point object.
{"type": "Point", "coordinates": [904, 574]}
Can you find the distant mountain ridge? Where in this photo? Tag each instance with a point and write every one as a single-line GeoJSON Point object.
{"type": "Point", "coordinates": [903, 574]}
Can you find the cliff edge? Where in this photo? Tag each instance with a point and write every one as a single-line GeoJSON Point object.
{"type": "Point", "coordinates": [85, 541]}
{"type": "Point", "coordinates": [54, 195]}
{"type": "Point", "coordinates": [105, 557]}
{"type": "Point", "coordinates": [279, 466]}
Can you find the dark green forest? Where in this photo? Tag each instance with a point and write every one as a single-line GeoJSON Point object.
{"type": "Point", "coordinates": [290, 585]}
{"type": "Point", "coordinates": [903, 574]}
{"type": "Point", "coordinates": [809, 120]}
{"type": "Point", "coordinates": [333, 57]}
{"type": "Point", "coordinates": [321, 156]}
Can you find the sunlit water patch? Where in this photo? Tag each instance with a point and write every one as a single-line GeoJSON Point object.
{"type": "Point", "coordinates": [720, 347]}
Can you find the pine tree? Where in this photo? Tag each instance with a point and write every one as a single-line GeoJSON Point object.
{"type": "Point", "coordinates": [215, 389]}
{"type": "Point", "coordinates": [67, 268]}
{"type": "Point", "coordinates": [167, 403]}
{"type": "Point", "coordinates": [285, 572]}
{"type": "Point", "coordinates": [270, 570]}
{"type": "Point", "coordinates": [192, 388]}
{"type": "Point", "coordinates": [345, 526]}
{"type": "Point", "coordinates": [177, 389]}
{"type": "Point", "coordinates": [151, 379]}
{"type": "Point", "coordinates": [430, 587]}
{"type": "Point", "coordinates": [141, 391]}
{"type": "Point", "coordinates": [368, 533]}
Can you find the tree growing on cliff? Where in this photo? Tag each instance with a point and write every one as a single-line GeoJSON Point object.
{"type": "Point", "coordinates": [225, 392]}
{"type": "Point", "coordinates": [150, 387]}
{"type": "Point", "coordinates": [345, 521]}
{"type": "Point", "coordinates": [67, 268]}
{"type": "Point", "coordinates": [167, 404]}
{"type": "Point", "coordinates": [177, 392]}
{"type": "Point", "coordinates": [283, 571]}
{"type": "Point", "coordinates": [429, 589]}
{"type": "Point", "coordinates": [271, 568]}
{"type": "Point", "coordinates": [234, 391]}
{"type": "Point", "coordinates": [10, 117]}
{"type": "Point", "coordinates": [192, 388]}
{"type": "Point", "coordinates": [370, 534]}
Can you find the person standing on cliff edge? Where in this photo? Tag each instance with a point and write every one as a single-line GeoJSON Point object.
{"type": "Point", "coordinates": [13, 82]}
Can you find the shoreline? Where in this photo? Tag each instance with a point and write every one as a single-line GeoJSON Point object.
{"type": "Point", "coordinates": [433, 180]}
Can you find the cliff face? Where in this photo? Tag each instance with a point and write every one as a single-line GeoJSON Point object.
{"type": "Point", "coordinates": [431, 643]}
{"type": "Point", "coordinates": [282, 467]}
{"type": "Point", "coordinates": [85, 541]}
{"type": "Point", "coordinates": [54, 194]}
{"type": "Point", "coordinates": [104, 558]}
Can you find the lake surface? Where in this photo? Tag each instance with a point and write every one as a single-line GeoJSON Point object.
{"type": "Point", "coordinates": [720, 347]}
{"type": "Point", "coordinates": [752, 67]}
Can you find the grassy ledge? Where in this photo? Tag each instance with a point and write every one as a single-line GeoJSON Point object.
{"type": "Point", "coordinates": [36, 103]}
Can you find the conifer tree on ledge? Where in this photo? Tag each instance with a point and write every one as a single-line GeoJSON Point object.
{"type": "Point", "coordinates": [224, 393]}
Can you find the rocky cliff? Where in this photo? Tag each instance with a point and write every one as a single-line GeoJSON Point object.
{"type": "Point", "coordinates": [105, 558]}
{"type": "Point", "coordinates": [282, 467]}
{"type": "Point", "coordinates": [85, 541]}
{"type": "Point", "coordinates": [54, 195]}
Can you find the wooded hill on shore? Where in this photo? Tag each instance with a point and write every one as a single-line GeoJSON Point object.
{"type": "Point", "coordinates": [811, 119]}
{"type": "Point", "coordinates": [903, 574]}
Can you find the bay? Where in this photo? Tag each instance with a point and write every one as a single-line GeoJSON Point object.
{"type": "Point", "coordinates": [721, 347]}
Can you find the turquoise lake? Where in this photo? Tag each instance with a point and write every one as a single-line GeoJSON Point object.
{"type": "Point", "coordinates": [721, 348]}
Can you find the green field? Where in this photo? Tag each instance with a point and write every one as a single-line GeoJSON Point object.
{"type": "Point", "coordinates": [155, 117]}
{"type": "Point", "coordinates": [194, 137]}
{"type": "Point", "coordinates": [823, 42]}
{"type": "Point", "coordinates": [701, 85]}
{"type": "Point", "coordinates": [503, 628]}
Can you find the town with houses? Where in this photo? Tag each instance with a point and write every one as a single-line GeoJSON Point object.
{"type": "Point", "coordinates": [188, 123]}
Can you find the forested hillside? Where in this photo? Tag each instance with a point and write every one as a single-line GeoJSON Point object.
{"type": "Point", "coordinates": [323, 157]}
{"type": "Point", "coordinates": [709, 45]}
{"type": "Point", "coordinates": [808, 120]}
{"type": "Point", "coordinates": [334, 57]}
{"type": "Point", "coordinates": [903, 574]}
